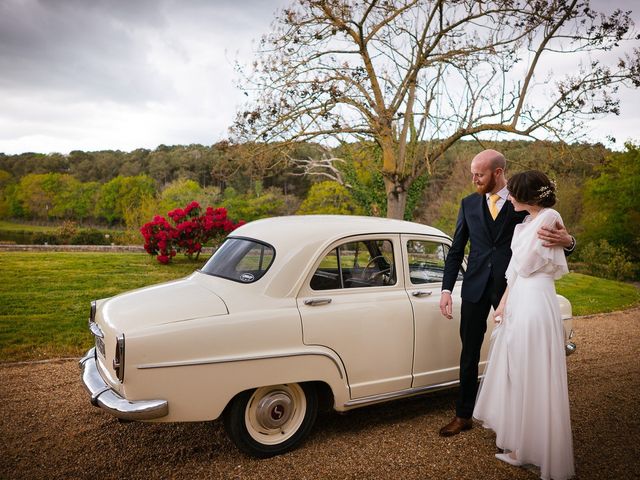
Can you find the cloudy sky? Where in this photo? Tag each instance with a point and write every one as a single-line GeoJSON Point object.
{"type": "Point", "coordinates": [124, 74]}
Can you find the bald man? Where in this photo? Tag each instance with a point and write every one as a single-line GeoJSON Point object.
{"type": "Point", "coordinates": [486, 219]}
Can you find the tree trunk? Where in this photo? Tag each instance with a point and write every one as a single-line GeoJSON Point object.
{"type": "Point", "coordinates": [396, 199]}
{"type": "Point", "coordinates": [394, 187]}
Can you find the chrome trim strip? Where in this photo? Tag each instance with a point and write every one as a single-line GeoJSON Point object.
{"type": "Point", "coordinates": [118, 358]}
{"type": "Point", "coordinates": [95, 329]}
{"type": "Point", "coordinates": [239, 359]}
{"type": "Point", "coordinates": [103, 396]}
{"type": "Point", "coordinates": [409, 392]}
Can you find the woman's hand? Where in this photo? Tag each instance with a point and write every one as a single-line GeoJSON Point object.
{"type": "Point", "coordinates": [498, 313]}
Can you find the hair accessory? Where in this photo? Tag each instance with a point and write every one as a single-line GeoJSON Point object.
{"type": "Point", "coordinates": [546, 190]}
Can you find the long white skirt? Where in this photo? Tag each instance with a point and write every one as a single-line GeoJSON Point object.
{"type": "Point", "coordinates": [523, 396]}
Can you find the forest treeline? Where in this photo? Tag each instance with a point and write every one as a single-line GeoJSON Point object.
{"type": "Point", "coordinates": [598, 190]}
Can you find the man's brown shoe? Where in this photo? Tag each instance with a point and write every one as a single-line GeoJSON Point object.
{"type": "Point", "coordinates": [456, 426]}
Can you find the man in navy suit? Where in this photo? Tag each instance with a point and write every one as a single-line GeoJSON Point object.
{"type": "Point", "coordinates": [486, 219]}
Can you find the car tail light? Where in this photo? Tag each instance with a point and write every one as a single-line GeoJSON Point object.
{"type": "Point", "coordinates": [118, 358]}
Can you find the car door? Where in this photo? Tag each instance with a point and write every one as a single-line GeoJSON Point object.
{"type": "Point", "coordinates": [437, 339]}
{"type": "Point", "coordinates": [354, 303]}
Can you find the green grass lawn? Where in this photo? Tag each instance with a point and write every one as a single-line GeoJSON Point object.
{"type": "Point", "coordinates": [590, 295]}
{"type": "Point", "coordinates": [44, 297]}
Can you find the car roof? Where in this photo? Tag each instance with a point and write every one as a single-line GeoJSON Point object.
{"type": "Point", "coordinates": [300, 229]}
{"type": "Point", "coordinates": [300, 239]}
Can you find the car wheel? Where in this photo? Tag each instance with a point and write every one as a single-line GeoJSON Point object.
{"type": "Point", "coordinates": [271, 420]}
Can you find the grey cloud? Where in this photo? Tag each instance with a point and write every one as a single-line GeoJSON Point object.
{"type": "Point", "coordinates": [86, 48]}
{"type": "Point", "coordinates": [99, 50]}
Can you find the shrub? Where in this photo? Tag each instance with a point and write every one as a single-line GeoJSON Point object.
{"type": "Point", "coordinates": [607, 261]}
{"type": "Point", "coordinates": [190, 231]}
{"type": "Point", "coordinates": [43, 238]}
{"type": "Point", "coordinates": [90, 236]}
{"type": "Point", "coordinates": [66, 232]}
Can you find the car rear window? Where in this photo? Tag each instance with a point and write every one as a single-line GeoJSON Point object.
{"type": "Point", "coordinates": [241, 260]}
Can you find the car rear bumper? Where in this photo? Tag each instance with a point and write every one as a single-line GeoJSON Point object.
{"type": "Point", "coordinates": [103, 396]}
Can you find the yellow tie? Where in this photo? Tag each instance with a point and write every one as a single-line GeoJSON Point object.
{"type": "Point", "coordinates": [493, 205]}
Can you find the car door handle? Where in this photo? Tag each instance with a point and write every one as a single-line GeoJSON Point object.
{"type": "Point", "coordinates": [421, 293]}
{"type": "Point", "coordinates": [312, 302]}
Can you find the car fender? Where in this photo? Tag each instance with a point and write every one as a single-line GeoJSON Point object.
{"type": "Point", "coordinates": [200, 390]}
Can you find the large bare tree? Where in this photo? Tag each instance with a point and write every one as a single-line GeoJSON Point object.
{"type": "Point", "coordinates": [415, 76]}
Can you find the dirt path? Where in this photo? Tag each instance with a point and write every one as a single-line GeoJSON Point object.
{"type": "Point", "coordinates": [49, 430]}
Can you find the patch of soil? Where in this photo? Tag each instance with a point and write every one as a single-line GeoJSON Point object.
{"type": "Point", "coordinates": [49, 430]}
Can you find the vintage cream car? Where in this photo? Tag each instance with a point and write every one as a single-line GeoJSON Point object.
{"type": "Point", "coordinates": [289, 315]}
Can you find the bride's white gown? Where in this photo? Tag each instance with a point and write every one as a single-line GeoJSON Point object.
{"type": "Point", "coordinates": [523, 396]}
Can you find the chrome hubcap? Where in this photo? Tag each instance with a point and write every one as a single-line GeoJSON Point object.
{"type": "Point", "coordinates": [274, 409]}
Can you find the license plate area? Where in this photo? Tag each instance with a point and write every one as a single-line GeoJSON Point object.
{"type": "Point", "coordinates": [100, 346]}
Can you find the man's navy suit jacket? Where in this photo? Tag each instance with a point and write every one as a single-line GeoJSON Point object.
{"type": "Point", "coordinates": [487, 256]}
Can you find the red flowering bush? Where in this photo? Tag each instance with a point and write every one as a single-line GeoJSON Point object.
{"type": "Point", "coordinates": [190, 231]}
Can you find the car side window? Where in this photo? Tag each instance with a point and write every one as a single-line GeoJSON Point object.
{"type": "Point", "coordinates": [327, 276]}
{"type": "Point", "coordinates": [426, 261]}
{"type": "Point", "coordinates": [364, 263]}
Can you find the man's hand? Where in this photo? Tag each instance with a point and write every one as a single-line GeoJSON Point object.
{"type": "Point", "coordinates": [556, 236]}
{"type": "Point", "coordinates": [446, 305]}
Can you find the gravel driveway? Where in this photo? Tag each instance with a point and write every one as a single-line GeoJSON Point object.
{"type": "Point", "coordinates": [49, 430]}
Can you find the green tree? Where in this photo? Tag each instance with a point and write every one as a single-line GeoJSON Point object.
{"type": "Point", "coordinates": [41, 195]}
{"type": "Point", "coordinates": [135, 216]}
{"type": "Point", "coordinates": [329, 198]}
{"type": "Point", "coordinates": [121, 194]}
{"type": "Point", "coordinates": [179, 193]}
{"type": "Point", "coordinates": [5, 180]}
{"type": "Point", "coordinates": [162, 165]}
{"type": "Point", "coordinates": [72, 198]}
{"type": "Point", "coordinates": [82, 200]}
{"type": "Point", "coordinates": [259, 203]}
{"type": "Point", "coordinates": [134, 163]}
{"type": "Point", "coordinates": [612, 202]}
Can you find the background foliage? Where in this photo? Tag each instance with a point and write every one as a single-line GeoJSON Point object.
{"type": "Point", "coordinates": [114, 193]}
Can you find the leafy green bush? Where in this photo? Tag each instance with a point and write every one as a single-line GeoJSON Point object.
{"type": "Point", "coordinates": [602, 259]}
{"type": "Point", "coordinates": [90, 236]}
{"type": "Point", "coordinates": [68, 234]}
{"type": "Point", "coordinates": [44, 238]}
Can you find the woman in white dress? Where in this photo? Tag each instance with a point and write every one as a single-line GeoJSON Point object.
{"type": "Point", "coordinates": [523, 396]}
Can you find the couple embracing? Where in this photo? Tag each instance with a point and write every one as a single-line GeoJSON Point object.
{"type": "Point", "coordinates": [517, 249]}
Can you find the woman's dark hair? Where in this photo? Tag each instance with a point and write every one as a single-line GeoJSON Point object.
{"type": "Point", "coordinates": [533, 188]}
